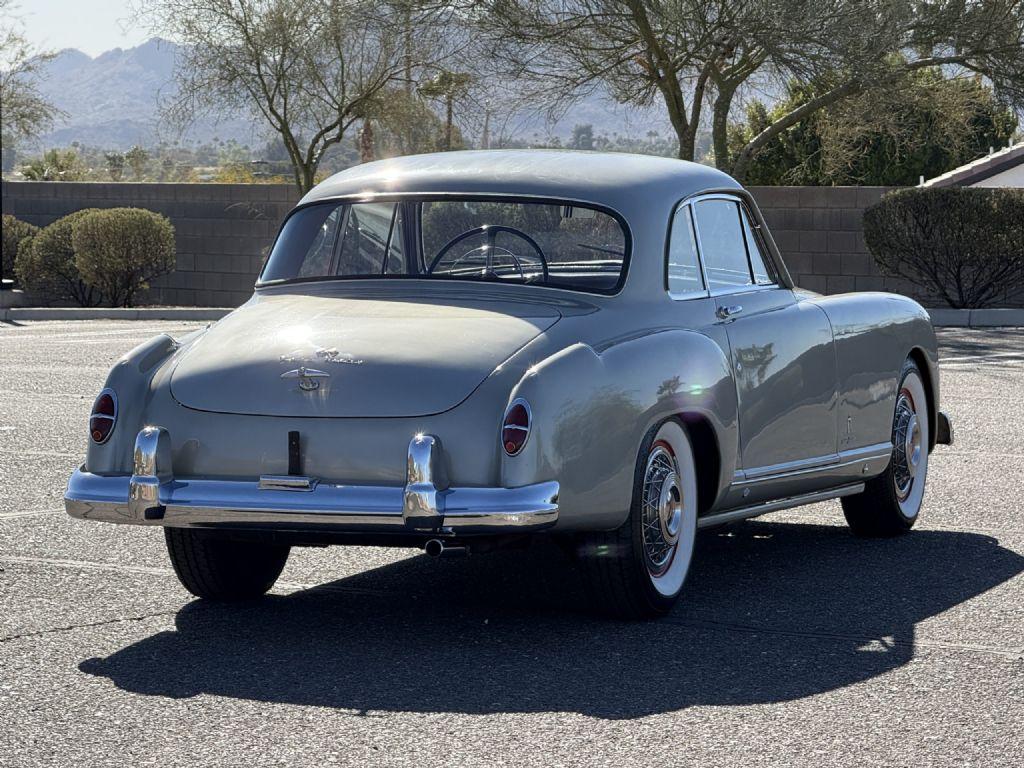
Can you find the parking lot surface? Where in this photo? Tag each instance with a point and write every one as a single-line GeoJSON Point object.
{"type": "Point", "coordinates": [794, 644]}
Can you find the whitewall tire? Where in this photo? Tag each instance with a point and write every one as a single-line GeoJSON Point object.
{"type": "Point", "coordinates": [638, 570]}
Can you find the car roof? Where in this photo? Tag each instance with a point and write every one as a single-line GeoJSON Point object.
{"type": "Point", "coordinates": [618, 180]}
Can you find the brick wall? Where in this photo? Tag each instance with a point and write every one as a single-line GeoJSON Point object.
{"type": "Point", "coordinates": [224, 231]}
{"type": "Point", "coordinates": [818, 230]}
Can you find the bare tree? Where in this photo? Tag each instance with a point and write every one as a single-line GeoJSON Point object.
{"type": "Point", "coordinates": [700, 54]}
{"type": "Point", "coordinates": [24, 113]}
{"type": "Point", "coordinates": [309, 69]}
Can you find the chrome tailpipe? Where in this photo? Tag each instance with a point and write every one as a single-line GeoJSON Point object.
{"type": "Point", "coordinates": [437, 548]}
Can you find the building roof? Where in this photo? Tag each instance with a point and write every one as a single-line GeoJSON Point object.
{"type": "Point", "coordinates": [980, 169]}
{"type": "Point", "coordinates": [618, 180]}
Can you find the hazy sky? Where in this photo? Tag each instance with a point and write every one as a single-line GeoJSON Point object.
{"type": "Point", "coordinates": [92, 26]}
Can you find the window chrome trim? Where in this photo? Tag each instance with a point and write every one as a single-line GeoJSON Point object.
{"type": "Point", "coordinates": [741, 289]}
{"type": "Point", "coordinates": [685, 295]}
{"type": "Point", "coordinates": [780, 277]}
{"type": "Point", "coordinates": [700, 244]}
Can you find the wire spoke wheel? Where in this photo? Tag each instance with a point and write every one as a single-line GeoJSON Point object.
{"type": "Point", "coordinates": [891, 501]}
{"type": "Point", "coordinates": [662, 508]}
{"type": "Point", "coordinates": [906, 439]}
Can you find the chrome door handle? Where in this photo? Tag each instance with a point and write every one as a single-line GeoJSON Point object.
{"type": "Point", "coordinates": [724, 313]}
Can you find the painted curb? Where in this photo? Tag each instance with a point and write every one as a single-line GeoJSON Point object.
{"type": "Point", "coordinates": [977, 318]}
{"type": "Point", "coordinates": [109, 313]}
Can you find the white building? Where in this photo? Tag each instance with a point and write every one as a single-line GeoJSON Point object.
{"type": "Point", "coordinates": [1004, 168]}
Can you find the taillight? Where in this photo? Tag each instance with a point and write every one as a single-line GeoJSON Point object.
{"type": "Point", "coordinates": [104, 416]}
{"type": "Point", "coordinates": [515, 429]}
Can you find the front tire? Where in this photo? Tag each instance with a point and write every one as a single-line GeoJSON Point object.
{"type": "Point", "coordinates": [638, 570]}
{"type": "Point", "coordinates": [891, 503]}
{"type": "Point", "coordinates": [221, 569]}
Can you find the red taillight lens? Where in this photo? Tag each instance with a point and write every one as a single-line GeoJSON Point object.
{"type": "Point", "coordinates": [516, 427]}
{"type": "Point", "coordinates": [104, 415]}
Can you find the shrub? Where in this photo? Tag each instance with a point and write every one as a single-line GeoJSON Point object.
{"type": "Point", "coordinates": [964, 245]}
{"type": "Point", "coordinates": [15, 232]}
{"type": "Point", "coordinates": [119, 250]}
{"type": "Point", "coordinates": [46, 264]}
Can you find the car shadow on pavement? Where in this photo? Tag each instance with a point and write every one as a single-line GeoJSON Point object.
{"type": "Point", "coordinates": [772, 612]}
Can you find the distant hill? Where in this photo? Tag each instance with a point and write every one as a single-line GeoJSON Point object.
{"type": "Point", "coordinates": [112, 102]}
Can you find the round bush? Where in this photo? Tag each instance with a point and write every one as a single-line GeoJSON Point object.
{"type": "Point", "coordinates": [119, 250]}
{"type": "Point", "coordinates": [46, 264]}
{"type": "Point", "coordinates": [964, 245]}
{"type": "Point", "coordinates": [15, 232]}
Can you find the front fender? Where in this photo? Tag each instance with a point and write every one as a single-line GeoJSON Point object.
{"type": "Point", "coordinates": [591, 409]}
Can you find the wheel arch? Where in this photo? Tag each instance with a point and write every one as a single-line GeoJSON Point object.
{"type": "Point", "coordinates": [707, 457]}
{"type": "Point", "coordinates": [917, 354]}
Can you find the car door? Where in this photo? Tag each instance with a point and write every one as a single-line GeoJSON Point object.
{"type": "Point", "coordinates": [781, 348]}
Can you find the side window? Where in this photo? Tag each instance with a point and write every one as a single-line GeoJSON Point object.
{"type": "Point", "coordinates": [684, 274]}
{"type": "Point", "coordinates": [722, 244]}
{"type": "Point", "coordinates": [758, 263]}
{"type": "Point", "coordinates": [317, 260]}
{"type": "Point", "coordinates": [364, 242]}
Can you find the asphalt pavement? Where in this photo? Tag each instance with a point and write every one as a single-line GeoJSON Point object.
{"type": "Point", "coordinates": [795, 644]}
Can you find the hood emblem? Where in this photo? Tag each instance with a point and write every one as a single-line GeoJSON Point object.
{"type": "Point", "coordinates": [309, 378]}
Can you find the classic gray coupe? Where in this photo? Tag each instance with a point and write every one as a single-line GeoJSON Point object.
{"type": "Point", "coordinates": [456, 351]}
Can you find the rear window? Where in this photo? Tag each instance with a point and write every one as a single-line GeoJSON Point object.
{"type": "Point", "coordinates": [531, 243]}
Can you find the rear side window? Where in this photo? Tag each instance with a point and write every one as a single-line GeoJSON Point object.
{"type": "Point", "coordinates": [684, 275]}
{"type": "Point", "coordinates": [722, 244]}
{"type": "Point", "coordinates": [367, 240]}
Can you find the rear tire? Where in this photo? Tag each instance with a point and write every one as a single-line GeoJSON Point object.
{"type": "Point", "coordinates": [891, 503]}
{"type": "Point", "coordinates": [638, 570]}
{"type": "Point", "coordinates": [221, 569]}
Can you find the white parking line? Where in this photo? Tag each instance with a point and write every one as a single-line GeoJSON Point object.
{"type": "Point", "coordinates": [983, 358]}
{"type": "Point", "coordinates": [58, 336]}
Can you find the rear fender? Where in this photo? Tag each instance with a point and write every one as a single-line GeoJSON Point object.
{"type": "Point", "coordinates": [591, 409]}
{"type": "Point", "coordinates": [132, 380]}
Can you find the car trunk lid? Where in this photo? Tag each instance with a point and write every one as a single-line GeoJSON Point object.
{"type": "Point", "coordinates": [336, 356]}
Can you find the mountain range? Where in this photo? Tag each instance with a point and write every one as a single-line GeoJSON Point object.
{"type": "Point", "coordinates": [113, 101]}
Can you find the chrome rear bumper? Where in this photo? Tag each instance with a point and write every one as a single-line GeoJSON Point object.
{"type": "Point", "coordinates": [153, 496]}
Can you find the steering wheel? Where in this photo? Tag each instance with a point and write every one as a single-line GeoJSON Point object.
{"type": "Point", "coordinates": [491, 232]}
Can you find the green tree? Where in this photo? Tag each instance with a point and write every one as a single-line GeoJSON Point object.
{"type": "Point", "coordinates": [406, 124]}
{"type": "Point", "coordinates": [700, 56]}
{"type": "Point", "coordinates": [137, 157]}
{"type": "Point", "coordinates": [115, 164]}
{"type": "Point", "coordinates": [448, 87]}
{"type": "Point", "coordinates": [55, 165]}
{"type": "Point", "coordinates": [929, 125]}
{"type": "Point", "coordinates": [582, 137]}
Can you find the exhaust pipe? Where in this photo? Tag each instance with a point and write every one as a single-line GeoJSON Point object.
{"type": "Point", "coordinates": [437, 548]}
